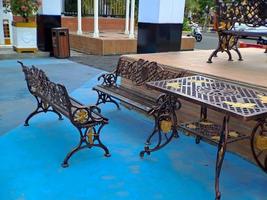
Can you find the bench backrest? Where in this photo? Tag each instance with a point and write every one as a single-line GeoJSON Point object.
{"type": "Point", "coordinates": [49, 92]}
{"type": "Point", "coordinates": [142, 71]}
{"type": "Point", "coordinates": [249, 12]}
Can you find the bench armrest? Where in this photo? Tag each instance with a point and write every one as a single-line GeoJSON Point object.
{"type": "Point", "coordinates": [162, 102]}
{"type": "Point", "coordinates": [84, 115]}
{"type": "Point", "coordinates": [109, 79]}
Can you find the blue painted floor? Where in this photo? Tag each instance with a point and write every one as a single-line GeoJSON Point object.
{"type": "Point", "coordinates": [31, 157]}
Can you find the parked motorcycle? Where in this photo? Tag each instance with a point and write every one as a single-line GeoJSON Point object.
{"type": "Point", "coordinates": [195, 32]}
{"type": "Point", "coordinates": [262, 40]}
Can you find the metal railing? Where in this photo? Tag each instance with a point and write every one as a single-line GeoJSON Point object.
{"type": "Point", "coordinates": [107, 8]}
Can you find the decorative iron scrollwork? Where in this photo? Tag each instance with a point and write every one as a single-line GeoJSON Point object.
{"type": "Point", "coordinates": [109, 79]}
{"type": "Point", "coordinates": [45, 105]}
{"type": "Point", "coordinates": [252, 13]}
{"type": "Point", "coordinates": [139, 72]}
{"type": "Point", "coordinates": [52, 97]}
{"type": "Point", "coordinates": [38, 85]}
{"type": "Point", "coordinates": [258, 143]}
{"type": "Point", "coordinates": [165, 123]}
{"type": "Point", "coordinates": [83, 115]}
{"type": "Point", "coordinates": [220, 154]}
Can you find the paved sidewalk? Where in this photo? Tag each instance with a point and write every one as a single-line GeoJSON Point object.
{"type": "Point", "coordinates": [106, 63]}
{"type": "Point", "coordinates": [7, 52]}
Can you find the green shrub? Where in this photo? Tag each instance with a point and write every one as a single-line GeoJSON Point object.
{"type": "Point", "coordinates": [24, 8]}
{"type": "Point", "coordinates": [186, 26]}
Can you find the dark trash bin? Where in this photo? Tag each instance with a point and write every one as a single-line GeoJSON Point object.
{"type": "Point", "coordinates": [60, 41]}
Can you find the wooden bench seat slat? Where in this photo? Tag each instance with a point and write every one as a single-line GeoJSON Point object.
{"type": "Point", "coordinates": [246, 33]}
{"type": "Point", "coordinates": [139, 72]}
{"type": "Point", "coordinates": [123, 94]}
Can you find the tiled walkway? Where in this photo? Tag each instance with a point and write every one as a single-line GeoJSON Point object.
{"type": "Point", "coordinates": [31, 157]}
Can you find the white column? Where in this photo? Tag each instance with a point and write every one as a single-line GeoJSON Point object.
{"type": "Point", "coordinates": [132, 19]}
{"type": "Point", "coordinates": [62, 6]}
{"type": "Point", "coordinates": [50, 7]}
{"type": "Point", "coordinates": [79, 17]}
{"type": "Point", "coordinates": [2, 39]}
{"type": "Point", "coordinates": [96, 30]}
{"type": "Point", "coordinates": [127, 17]}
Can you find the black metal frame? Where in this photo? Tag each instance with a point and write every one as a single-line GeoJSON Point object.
{"type": "Point", "coordinates": [105, 98]}
{"type": "Point", "coordinates": [53, 97]}
{"type": "Point", "coordinates": [220, 154]}
{"type": "Point", "coordinates": [221, 146]}
{"type": "Point", "coordinates": [88, 140]}
{"type": "Point", "coordinates": [260, 156]}
{"type": "Point", "coordinates": [140, 72]}
{"type": "Point", "coordinates": [251, 13]}
{"type": "Point", "coordinates": [41, 107]}
{"type": "Point", "coordinates": [164, 110]}
{"type": "Point", "coordinates": [216, 94]}
{"type": "Point", "coordinates": [226, 43]}
{"type": "Point", "coordinates": [203, 117]}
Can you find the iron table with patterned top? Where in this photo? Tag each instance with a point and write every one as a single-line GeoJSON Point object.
{"type": "Point", "coordinates": [229, 98]}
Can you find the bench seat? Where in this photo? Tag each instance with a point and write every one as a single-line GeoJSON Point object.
{"type": "Point", "coordinates": [246, 33]}
{"type": "Point", "coordinates": [138, 73]}
{"type": "Point", "coordinates": [128, 84]}
{"type": "Point", "coordinates": [127, 96]}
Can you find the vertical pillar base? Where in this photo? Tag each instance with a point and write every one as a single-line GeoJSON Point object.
{"type": "Point", "coordinates": [79, 32]}
{"type": "Point", "coordinates": [131, 36]}
{"type": "Point", "coordinates": [153, 37]}
{"type": "Point", "coordinates": [96, 35]}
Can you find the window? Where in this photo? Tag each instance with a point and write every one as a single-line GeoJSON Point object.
{"type": "Point", "coordinates": [6, 28]}
{"type": "Point", "coordinates": [6, 3]}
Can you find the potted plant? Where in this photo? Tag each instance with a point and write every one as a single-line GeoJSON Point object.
{"type": "Point", "coordinates": [24, 27]}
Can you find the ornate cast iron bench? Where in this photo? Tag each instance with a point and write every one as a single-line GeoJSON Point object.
{"type": "Point", "coordinates": [52, 97]}
{"type": "Point", "coordinates": [138, 73]}
{"type": "Point", "coordinates": [251, 13]}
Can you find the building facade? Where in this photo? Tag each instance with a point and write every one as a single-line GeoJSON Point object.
{"type": "Point", "coordinates": [5, 24]}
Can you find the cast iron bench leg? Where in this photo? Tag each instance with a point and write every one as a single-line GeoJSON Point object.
{"type": "Point", "coordinates": [104, 98]}
{"type": "Point", "coordinates": [86, 142]}
{"type": "Point", "coordinates": [164, 111]}
{"type": "Point", "coordinates": [214, 54]}
{"type": "Point", "coordinates": [235, 48]}
{"type": "Point", "coordinates": [41, 108]}
{"type": "Point", "coordinates": [258, 148]}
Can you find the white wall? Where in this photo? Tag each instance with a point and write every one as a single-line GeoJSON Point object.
{"type": "Point", "coordinates": [9, 17]}
{"type": "Point", "coordinates": [51, 7]}
{"type": "Point", "coordinates": [148, 11]}
{"type": "Point", "coordinates": [1, 23]}
{"type": "Point", "coordinates": [171, 11]}
{"type": "Point", "coordinates": [161, 11]}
